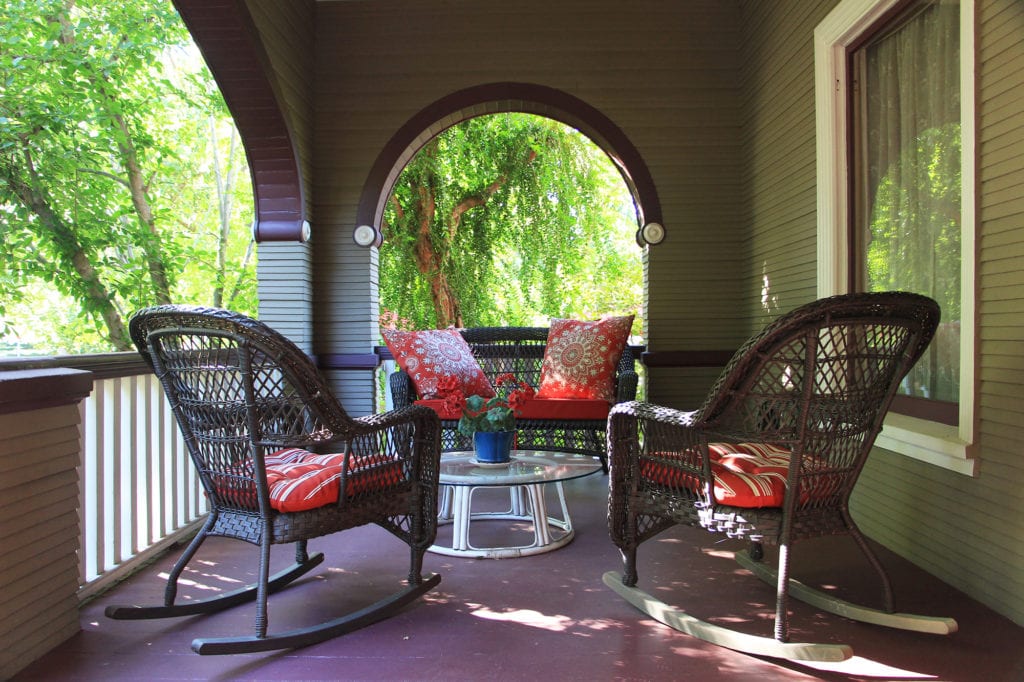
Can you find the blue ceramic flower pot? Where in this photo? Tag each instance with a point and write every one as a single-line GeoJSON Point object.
{"type": "Point", "coordinates": [493, 447]}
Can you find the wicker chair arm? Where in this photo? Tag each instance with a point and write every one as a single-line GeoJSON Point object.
{"type": "Point", "coordinates": [399, 416]}
{"type": "Point", "coordinates": [402, 391]}
{"type": "Point", "coordinates": [643, 434]}
{"type": "Point", "coordinates": [652, 412]}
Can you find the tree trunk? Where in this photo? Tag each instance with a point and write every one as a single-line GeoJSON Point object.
{"type": "Point", "coordinates": [428, 261]}
{"type": "Point", "coordinates": [140, 200]}
{"type": "Point", "coordinates": [96, 296]}
{"type": "Point", "coordinates": [225, 181]}
{"type": "Point", "coordinates": [150, 238]}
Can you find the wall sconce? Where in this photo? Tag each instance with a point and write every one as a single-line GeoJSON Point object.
{"type": "Point", "coordinates": [367, 236]}
{"type": "Point", "coordinates": [651, 233]}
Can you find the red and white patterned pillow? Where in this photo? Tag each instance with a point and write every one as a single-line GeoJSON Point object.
{"type": "Point", "coordinates": [431, 355]}
{"type": "Point", "coordinates": [580, 358]}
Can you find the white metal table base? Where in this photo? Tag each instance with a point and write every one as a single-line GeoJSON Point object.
{"type": "Point", "coordinates": [526, 503]}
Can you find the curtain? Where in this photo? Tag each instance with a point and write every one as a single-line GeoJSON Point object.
{"type": "Point", "coordinates": [908, 139]}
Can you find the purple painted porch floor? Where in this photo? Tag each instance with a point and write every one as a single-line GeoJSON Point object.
{"type": "Point", "coordinates": [544, 617]}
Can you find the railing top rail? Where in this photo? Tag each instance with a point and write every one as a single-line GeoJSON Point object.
{"type": "Point", "coordinates": [102, 365]}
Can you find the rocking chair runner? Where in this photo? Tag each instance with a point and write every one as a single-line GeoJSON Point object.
{"type": "Point", "coordinates": [772, 456]}
{"type": "Point", "coordinates": [252, 409]}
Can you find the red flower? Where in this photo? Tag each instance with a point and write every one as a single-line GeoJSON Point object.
{"type": "Point", "coordinates": [447, 385]}
{"type": "Point", "coordinates": [517, 400]}
{"type": "Point", "coordinates": [454, 402]}
{"type": "Point", "coordinates": [507, 378]}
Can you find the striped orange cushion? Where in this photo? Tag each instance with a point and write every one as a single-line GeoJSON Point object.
{"type": "Point", "coordinates": [299, 480]}
{"type": "Point", "coordinates": [750, 475]}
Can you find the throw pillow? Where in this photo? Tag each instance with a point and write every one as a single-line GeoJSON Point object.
{"type": "Point", "coordinates": [430, 357]}
{"type": "Point", "coordinates": [580, 358]}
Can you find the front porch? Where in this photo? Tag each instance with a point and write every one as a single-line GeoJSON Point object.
{"type": "Point", "coordinates": [542, 617]}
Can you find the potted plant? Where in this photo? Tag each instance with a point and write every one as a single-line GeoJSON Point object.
{"type": "Point", "coordinates": [490, 422]}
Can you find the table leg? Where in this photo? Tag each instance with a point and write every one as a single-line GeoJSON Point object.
{"type": "Point", "coordinates": [461, 517]}
{"type": "Point", "coordinates": [444, 506]}
{"type": "Point", "coordinates": [527, 503]}
{"type": "Point", "coordinates": [539, 510]}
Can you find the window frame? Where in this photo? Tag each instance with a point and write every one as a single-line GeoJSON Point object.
{"type": "Point", "coordinates": [951, 447]}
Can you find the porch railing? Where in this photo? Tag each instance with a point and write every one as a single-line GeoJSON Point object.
{"type": "Point", "coordinates": [138, 493]}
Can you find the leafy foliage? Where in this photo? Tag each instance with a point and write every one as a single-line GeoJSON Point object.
{"type": "Point", "coordinates": [510, 219]}
{"type": "Point", "coordinates": [116, 172]}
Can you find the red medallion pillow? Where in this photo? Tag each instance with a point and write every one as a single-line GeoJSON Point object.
{"type": "Point", "coordinates": [580, 358]}
{"type": "Point", "coordinates": [434, 354]}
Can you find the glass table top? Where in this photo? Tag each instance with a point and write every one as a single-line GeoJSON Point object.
{"type": "Point", "coordinates": [525, 467]}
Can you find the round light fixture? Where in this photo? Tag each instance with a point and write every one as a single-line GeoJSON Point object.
{"type": "Point", "coordinates": [653, 233]}
{"type": "Point", "coordinates": [366, 235]}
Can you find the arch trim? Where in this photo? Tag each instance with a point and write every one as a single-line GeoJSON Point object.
{"type": "Point", "coordinates": [497, 98]}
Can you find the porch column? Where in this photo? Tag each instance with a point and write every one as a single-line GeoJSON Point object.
{"type": "Point", "coordinates": [40, 451]}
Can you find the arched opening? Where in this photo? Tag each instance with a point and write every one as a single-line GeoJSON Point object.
{"type": "Point", "coordinates": [500, 98]}
{"type": "Point", "coordinates": [509, 219]}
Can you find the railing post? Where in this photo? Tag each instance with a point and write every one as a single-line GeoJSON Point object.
{"type": "Point", "coordinates": [40, 451]}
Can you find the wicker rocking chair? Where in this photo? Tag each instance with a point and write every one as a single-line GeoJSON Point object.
{"type": "Point", "coordinates": [252, 409]}
{"type": "Point", "coordinates": [793, 417]}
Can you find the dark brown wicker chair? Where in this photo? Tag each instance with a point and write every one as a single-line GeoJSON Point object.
{"type": "Point", "coordinates": [818, 382]}
{"type": "Point", "coordinates": [241, 391]}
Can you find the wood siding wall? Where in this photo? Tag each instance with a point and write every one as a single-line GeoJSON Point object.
{"type": "Point", "coordinates": [967, 531]}
{"type": "Point", "coordinates": [665, 73]}
{"type": "Point", "coordinates": [780, 169]}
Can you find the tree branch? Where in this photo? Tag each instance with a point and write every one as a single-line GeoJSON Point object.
{"type": "Point", "coordinates": [105, 174]}
{"type": "Point", "coordinates": [473, 201]}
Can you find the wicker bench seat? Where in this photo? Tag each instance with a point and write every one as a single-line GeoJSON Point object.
{"type": "Point", "coordinates": [552, 424]}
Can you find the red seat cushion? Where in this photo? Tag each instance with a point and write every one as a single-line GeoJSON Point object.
{"type": "Point", "coordinates": [748, 475]}
{"type": "Point", "coordinates": [540, 408]}
{"type": "Point", "coordinates": [432, 355]}
{"type": "Point", "coordinates": [580, 358]}
{"type": "Point", "coordinates": [564, 408]}
{"type": "Point", "coordinates": [299, 480]}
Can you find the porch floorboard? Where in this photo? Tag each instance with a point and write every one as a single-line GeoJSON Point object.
{"type": "Point", "coordinates": [543, 617]}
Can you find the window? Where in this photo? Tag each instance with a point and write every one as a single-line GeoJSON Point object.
{"type": "Point", "coordinates": [895, 108]}
{"type": "Point", "coordinates": [905, 226]}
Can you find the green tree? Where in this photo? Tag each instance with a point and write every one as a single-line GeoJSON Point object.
{"type": "Point", "coordinates": [509, 219]}
{"type": "Point", "coordinates": [108, 164]}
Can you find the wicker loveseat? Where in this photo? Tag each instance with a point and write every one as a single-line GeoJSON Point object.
{"type": "Point", "coordinates": [546, 425]}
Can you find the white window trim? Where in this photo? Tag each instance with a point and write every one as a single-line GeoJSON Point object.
{"type": "Point", "coordinates": [946, 446]}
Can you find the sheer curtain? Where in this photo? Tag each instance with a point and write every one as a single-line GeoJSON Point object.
{"type": "Point", "coordinates": [907, 175]}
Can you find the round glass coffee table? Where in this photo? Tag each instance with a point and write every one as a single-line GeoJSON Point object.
{"type": "Point", "coordinates": [525, 476]}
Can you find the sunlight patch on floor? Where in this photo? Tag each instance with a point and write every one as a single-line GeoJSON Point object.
{"type": "Point", "coordinates": [527, 617]}
{"type": "Point", "coordinates": [184, 581]}
{"type": "Point", "coordinates": [865, 667]}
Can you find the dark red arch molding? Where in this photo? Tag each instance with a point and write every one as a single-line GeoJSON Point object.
{"type": "Point", "coordinates": [497, 98]}
{"type": "Point", "coordinates": [226, 35]}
